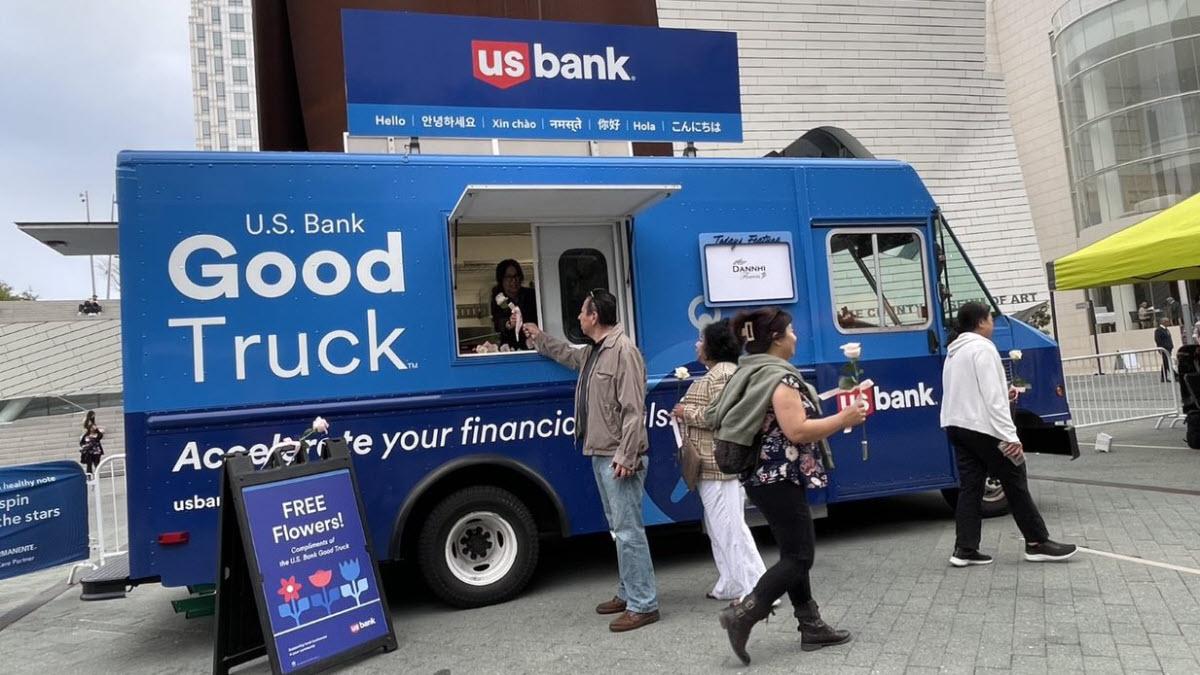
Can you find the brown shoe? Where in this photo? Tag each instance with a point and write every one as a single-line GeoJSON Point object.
{"type": "Point", "coordinates": [632, 621]}
{"type": "Point", "coordinates": [614, 606]}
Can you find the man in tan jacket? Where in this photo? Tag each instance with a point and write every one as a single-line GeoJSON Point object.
{"type": "Point", "coordinates": [610, 403]}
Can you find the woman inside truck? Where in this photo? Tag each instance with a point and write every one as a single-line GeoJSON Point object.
{"type": "Point", "coordinates": [508, 295]}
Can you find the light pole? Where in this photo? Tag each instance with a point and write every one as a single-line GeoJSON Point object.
{"type": "Point", "coordinates": [87, 209]}
{"type": "Point", "coordinates": [112, 218]}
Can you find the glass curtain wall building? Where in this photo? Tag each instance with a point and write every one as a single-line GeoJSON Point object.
{"type": "Point", "coordinates": [1128, 76]}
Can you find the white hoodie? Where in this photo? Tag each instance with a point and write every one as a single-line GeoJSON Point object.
{"type": "Point", "coordinates": [975, 389]}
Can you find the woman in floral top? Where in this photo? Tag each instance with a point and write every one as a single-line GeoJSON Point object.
{"type": "Point", "coordinates": [769, 388]}
{"type": "Point", "coordinates": [739, 566]}
{"type": "Point", "coordinates": [781, 459]}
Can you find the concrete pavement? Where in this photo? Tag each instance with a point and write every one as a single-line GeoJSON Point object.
{"type": "Point", "coordinates": [881, 572]}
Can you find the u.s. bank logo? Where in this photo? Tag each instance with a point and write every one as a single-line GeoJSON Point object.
{"type": "Point", "coordinates": [507, 64]}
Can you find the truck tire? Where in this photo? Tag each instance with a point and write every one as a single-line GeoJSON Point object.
{"type": "Point", "coordinates": [994, 501]}
{"type": "Point", "coordinates": [479, 546]}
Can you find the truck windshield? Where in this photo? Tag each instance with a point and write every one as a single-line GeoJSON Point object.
{"type": "Point", "coordinates": [957, 279]}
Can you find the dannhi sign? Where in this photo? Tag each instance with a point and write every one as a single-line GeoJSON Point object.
{"type": "Point", "coordinates": [436, 75]}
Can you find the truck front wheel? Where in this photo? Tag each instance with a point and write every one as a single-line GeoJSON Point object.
{"type": "Point", "coordinates": [479, 546]}
{"type": "Point", "coordinates": [995, 503]}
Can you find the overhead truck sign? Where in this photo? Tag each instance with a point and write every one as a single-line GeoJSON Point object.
{"type": "Point", "coordinates": [436, 75]}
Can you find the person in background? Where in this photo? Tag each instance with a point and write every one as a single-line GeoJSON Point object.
{"type": "Point", "coordinates": [767, 405]}
{"type": "Point", "coordinates": [1171, 310]}
{"type": "Point", "coordinates": [739, 566]}
{"type": "Point", "coordinates": [510, 285]}
{"type": "Point", "coordinates": [1145, 315]}
{"type": "Point", "coordinates": [846, 318]}
{"type": "Point", "coordinates": [977, 417]}
{"type": "Point", "coordinates": [1162, 340]}
{"type": "Point", "coordinates": [90, 448]}
{"type": "Point", "coordinates": [610, 425]}
{"type": "Point", "coordinates": [90, 307]}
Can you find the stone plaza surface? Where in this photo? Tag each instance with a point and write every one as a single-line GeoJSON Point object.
{"type": "Point", "coordinates": [881, 572]}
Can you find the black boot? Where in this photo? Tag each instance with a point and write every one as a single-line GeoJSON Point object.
{"type": "Point", "coordinates": [737, 620]}
{"type": "Point", "coordinates": [815, 633]}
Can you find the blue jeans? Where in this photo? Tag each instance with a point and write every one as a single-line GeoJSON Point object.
{"type": "Point", "coordinates": [622, 500]}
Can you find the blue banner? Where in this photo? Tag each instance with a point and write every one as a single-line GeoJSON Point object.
{"type": "Point", "coordinates": [43, 517]}
{"type": "Point", "coordinates": [436, 75]}
{"type": "Point", "coordinates": [318, 581]}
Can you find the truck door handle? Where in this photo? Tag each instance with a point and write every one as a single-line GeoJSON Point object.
{"type": "Point", "coordinates": [935, 344]}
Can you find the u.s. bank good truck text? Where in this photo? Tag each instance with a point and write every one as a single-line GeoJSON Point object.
{"type": "Point", "coordinates": [262, 290]}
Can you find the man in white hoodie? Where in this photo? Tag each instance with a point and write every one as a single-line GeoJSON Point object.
{"type": "Point", "coordinates": [976, 416]}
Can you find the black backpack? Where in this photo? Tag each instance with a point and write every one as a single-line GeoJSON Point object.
{"type": "Point", "coordinates": [735, 458]}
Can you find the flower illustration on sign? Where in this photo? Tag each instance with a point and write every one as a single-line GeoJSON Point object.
{"type": "Point", "coordinates": [354, 586]}
{"type": "Point", "coordinates": [320, 579]}
{"type": "Point", "coordinates": [289, 589]}
{"type": "Point", "coordinates": [293, 605]}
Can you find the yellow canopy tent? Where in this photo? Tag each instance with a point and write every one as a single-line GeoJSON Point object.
{"type": "Point", "coordinates": [1164, 247]}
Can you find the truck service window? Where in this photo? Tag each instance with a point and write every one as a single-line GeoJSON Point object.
{"type": "Point", "coordinates": [878, 281]}
{"type": "Point", "coordinates": [494, 273]}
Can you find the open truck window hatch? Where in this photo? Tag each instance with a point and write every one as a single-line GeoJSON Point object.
{"type": "Point", "coordinates": [565, 241]}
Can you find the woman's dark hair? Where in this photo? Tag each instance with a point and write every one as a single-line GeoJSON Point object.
{"type": "Point", "coordinates": [757, 329]}
{"type": "Point", "coordinates": [970, 316]}
{"type": "Point", "coordinates": [89, 420]}
{"type": "Point", "coordinates": [720, 343]}
{"type": "Point", "coordinates": [502, 268]}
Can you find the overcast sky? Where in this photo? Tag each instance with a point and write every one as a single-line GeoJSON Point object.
{"type": "Point", "coordinates": [80, 81]}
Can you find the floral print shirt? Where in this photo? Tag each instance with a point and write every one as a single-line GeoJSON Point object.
{"type": "Point", "coordinates": [780, 459]}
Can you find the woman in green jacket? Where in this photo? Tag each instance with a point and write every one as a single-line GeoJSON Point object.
{"type": "Point", "coordinates": [767, 404]}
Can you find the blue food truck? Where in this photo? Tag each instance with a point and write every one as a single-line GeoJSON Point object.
{"type": "Point", "coordinates": [262, 290]}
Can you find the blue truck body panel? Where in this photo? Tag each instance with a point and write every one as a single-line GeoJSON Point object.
{"type": "Point", "coordinates": [223, 351]}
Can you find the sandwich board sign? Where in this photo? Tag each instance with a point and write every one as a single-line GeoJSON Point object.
{"type": "Point", "coordinates": [297, 581]}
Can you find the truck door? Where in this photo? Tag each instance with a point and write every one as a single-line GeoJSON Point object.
{"type": "Point", "coordinates": [877, 283]}
{"type": "Point", "coordinates": [573, 260]}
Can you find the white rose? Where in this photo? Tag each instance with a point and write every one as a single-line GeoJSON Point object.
{"type": "Point", "coordinates": [682, 373]}
{"type": "Point", "coordinates": [1015, 355]}
{"type": "Point", "coordinates": [320, 425]}
{"type": "Point", "coordinates": [852, 350]}
{"type": "Point", "coordinates": [502, 300]}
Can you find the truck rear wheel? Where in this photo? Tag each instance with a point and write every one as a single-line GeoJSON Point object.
{"type": "Point", "coordinates": [479, 546]}
{"type": "Point", "coordinates": [995, 503]}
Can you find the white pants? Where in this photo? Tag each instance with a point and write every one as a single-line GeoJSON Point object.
{"type": "Point", "coordinates": [738, 563]}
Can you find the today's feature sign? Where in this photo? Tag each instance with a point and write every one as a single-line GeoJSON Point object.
{"type": "Point", "coordinates": [748, 268]}
{"type": "Point", "coordinates": [437, 75]}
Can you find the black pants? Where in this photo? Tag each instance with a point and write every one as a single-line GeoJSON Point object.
{"type": "Point", "coordinates": [1166, 369]}
{"type": "Point", "coordinates": [978, 457]}
{"type": "Point", "coordinates": [785, 506]}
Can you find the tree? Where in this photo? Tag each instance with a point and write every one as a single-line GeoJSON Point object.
{"type": "Point", "coordinates": [7, 293]}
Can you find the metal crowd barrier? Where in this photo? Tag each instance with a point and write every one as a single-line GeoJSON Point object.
{"type": "Point", "coordinates": [106, 495]}
{"type": "Point", "coordinates": [1122, 387]}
